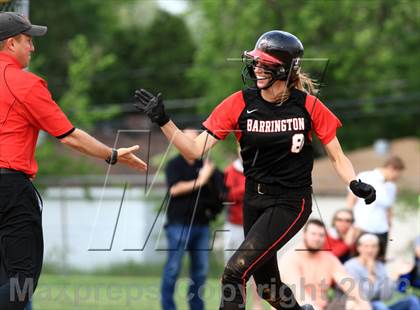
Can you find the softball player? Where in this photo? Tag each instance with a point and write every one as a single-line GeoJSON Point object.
{"type": "Point", "coordinates": [273, 122]}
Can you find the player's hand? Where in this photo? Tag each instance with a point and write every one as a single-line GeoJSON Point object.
{"type": "Point", "coordinates": [126, 156]}
{"type": "Point", "coordinates": [363, 190]}
{"type": "Point", "coordinates": [151, 105]}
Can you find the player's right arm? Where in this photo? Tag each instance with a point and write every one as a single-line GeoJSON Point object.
{"type": "Point", "coordinates": [219, 124]}
{"type": "Point", "coordinates": [189, 148]}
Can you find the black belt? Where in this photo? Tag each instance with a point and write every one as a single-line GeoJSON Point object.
{"type": "Point", "coordinates": [11, 171]}
{"type": "Point", "coordinates": [274, 189]}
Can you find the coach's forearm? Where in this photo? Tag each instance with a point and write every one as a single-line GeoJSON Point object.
{"type": "Point", "coordinates": [86, 144]}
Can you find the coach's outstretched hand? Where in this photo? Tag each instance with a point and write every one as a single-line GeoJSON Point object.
{"type": "Point", "coordinates": [151, 105]}
{"type": "Point", "coordinates": [363, 190]}
{"type": "Point", "coordinates": [126, 157]}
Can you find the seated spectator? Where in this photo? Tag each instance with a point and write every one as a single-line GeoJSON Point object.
{"type": "Point", "coordinates": [415, 273]}
{"type": "Point", "coordinates": [311, 271]}
{"type": "Point", "coordinates": [373, 279]}
{"type": "Point", "coordinates": [341, 238]}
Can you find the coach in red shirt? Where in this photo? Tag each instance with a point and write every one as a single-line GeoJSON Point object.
{"type": "Point", "coordinates": [26, 106]}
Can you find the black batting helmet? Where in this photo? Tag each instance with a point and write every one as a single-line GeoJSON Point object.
{"type": "Point", "coordinates": [279, 50]}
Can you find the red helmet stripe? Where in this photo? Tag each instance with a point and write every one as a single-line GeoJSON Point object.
{"type": "Point", "coordinates": [256, 53]}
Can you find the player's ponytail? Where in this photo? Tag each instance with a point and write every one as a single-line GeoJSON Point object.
{"type": "Point", "coordinates": [303, 82]}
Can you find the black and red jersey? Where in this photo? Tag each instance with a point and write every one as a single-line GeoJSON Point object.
{"type": "Point", "coordinates": [275, 139]}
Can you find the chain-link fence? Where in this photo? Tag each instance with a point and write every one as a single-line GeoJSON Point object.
{"type": "Point", "coordinates": [20, 6]}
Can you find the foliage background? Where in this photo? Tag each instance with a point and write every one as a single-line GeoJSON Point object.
{"type": "Point", "coordinates": [370, 47]}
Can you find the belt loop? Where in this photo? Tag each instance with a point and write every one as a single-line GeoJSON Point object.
{"type": "Point", "coordinates": [259, 189]}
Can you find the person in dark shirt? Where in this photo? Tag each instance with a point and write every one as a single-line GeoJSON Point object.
{"type": "Point", "coordinates": [187, 228]}
{"type": "Point", "coordinates": [273, 122]}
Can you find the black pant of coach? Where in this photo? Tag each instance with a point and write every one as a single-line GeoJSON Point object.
{"type": "Point", "coordinates": [21, 239]}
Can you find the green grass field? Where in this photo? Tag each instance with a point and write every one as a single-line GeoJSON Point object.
{"type": "Point", "coordinates": [90, 292]}
{"type": "Point", "coordinates": [57, 292]}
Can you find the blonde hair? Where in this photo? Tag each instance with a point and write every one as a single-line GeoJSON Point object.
{"type": "Point", "coordinates": [303, 82]}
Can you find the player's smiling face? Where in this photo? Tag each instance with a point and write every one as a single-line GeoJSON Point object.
{"type": "Point", "coordinates": [262, 74]}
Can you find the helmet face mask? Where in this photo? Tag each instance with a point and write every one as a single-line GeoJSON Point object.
{"type": "Point", "coordinates": [275, 70]}
{"type": "Point", "coordinates": [277, 53]}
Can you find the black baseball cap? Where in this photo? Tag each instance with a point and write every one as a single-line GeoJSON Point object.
{"type": "Point", "coordinates": [12, 24]}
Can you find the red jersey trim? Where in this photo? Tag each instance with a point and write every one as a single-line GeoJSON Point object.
{"type": "Point", "coordinates": [224, 117]}
{"type": "Point", "coordinates": [324, 122]}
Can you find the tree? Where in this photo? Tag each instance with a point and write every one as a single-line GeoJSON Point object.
{"type": "Point", "coordinates": [156, 57]}
{"type": "Point", "coordinates": [370, 45]}
{"type": "Point", "coordinates": [95, 19]}
{"type": "Point", "coordinates": [78, 107]}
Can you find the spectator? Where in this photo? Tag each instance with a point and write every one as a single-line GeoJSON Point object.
{"type": "Point", "coordinates": [235, 184]}
{"type": "Point", "coordinates": [411, 277]}
{"type": "Point", "coordinates": [372, 277]}
{"type": "Point", "coordinates": [341, 238]}
{"type": "Point", "coordinates": [415, 273]}
{"type": "Point", "coordinates": [377, 219]}
{"type": "Point", "coordinates": [312, 271]}
{"type": "Point", "coordinates": [187, 227]}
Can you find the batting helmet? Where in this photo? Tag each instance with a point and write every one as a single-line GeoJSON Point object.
{"type": "Point", "coordinates": [278, 51]}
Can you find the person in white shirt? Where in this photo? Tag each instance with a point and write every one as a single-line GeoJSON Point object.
{"type": "Point", "coordinates": [377, 218]}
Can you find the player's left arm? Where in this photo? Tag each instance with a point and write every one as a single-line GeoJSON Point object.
{"type": "Point", "coordinates": [345, 170]}
{"type": "Point", "coordinates": [351, 200]}
{"type": "Point", "coordinates": [341, 163]}
{"type": "Point", "coordinates": [325, 125]}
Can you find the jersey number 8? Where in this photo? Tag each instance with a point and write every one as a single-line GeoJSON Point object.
{"type": "Point", "coordinates": [298, 140]}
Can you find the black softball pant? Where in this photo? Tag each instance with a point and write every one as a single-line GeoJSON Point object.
{"type": "Point", "coordinates": [270, 221]}
{"type": "Point", "coordinates": [21, 241]}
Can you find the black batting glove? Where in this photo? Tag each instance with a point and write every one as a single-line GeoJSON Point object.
{"type": "Point", "coordinates": [363, 190]}
{"type": "Point", "coordinates": [151, 105]}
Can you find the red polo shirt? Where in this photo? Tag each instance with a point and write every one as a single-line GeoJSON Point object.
{"type": "Point", "coordinates": [26, 106]}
